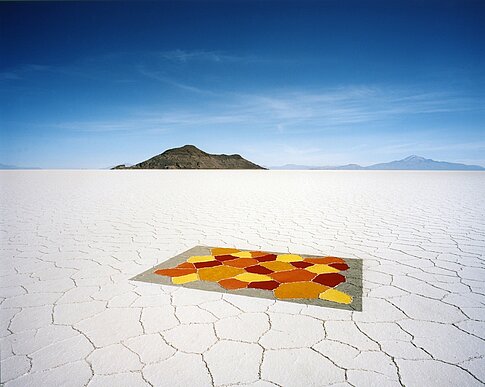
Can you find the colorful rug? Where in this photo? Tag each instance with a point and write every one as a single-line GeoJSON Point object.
{"type": "Point", "coordinates": [308, 279]}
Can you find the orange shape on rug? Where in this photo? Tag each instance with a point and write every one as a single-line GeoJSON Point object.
{"type": "Point", "coordinates": [299, 290]}
{"type": "Point", "coordinates": [296, 275]}
{"type": "Point", "coordinates": [218, 273]}
{"type": "Point", "coordinates": [185, 265]}
{"type": "Point", "coordinates": [175, 272]}
{"type": "Point", "coordinates": [233, 284]}
{"type": "Point", "coordinates": [241, 262]}
{"type": "Point", "coordinates": [277, 265]}
{"type": "Point", "coordinates": [324, 260]}
{"type": "Point", "coordinates": [256, 254]}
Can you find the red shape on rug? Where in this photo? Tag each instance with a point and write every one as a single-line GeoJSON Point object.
{"type": "Point", "coordinates": [339, 266]}
{"type": "Point", "coordinates": [266, 285]}
{"type": "Point", "coordinates": [301, 264]}
{"type": "Point", "coordinates": [266, 258]}
{"type": "Point", "coordinates": [258, 269]}
{"type": "Point", "coordinates": [223, 258]}
{"type": "Point", "coordinates": [329, 279]}
{"type": "Point", "coordinates": [199, 265]}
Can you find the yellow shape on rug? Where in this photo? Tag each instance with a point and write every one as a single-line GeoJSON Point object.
{"type": "Point", "coordinates": [336, 296]}
{"type": "Point", "coordinates": [320, 269]}
{"type": "Point", "coordinates": [252, 277]}
{"type": "Point", "coordinates": [223, 251]}
{"type": "Point", "coordinates": [242, 254]}
{"type": "Point", "coordinates": [288, 258]}
{"type": "Point", "coordinates": [200, 258]}
{"type": "Point", "coordinates": [183, 279]}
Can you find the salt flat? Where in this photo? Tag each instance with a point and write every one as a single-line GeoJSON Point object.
{"type": "Point", "coordinates": [72, 239]}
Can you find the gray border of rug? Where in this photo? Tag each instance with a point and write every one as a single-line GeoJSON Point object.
{"type": "Point", "coordinates": [352, 285]}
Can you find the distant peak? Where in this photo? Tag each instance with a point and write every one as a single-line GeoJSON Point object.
{"type": "Point", "coordinates": [414, 158]}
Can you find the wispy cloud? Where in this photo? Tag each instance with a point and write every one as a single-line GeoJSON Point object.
{"type": "Point", "coordinates": [158, 76]}
{"type": "Point", "coordinates": [295, 112]}
{"type": "Point", "coordinates": [301, 112]}
{"type": "Point", "coordinates": [127, 125]}
{"type": "Point", "coordinates": [21, 71]}
{"type": "Point", "coordinates": [9, 76]}
{"type": "Point", "coordinates": [202, 55]}
{"type": "Point", "coordinates": [363, 104]}
{"type": "Point", "coordinates": [414, 147]}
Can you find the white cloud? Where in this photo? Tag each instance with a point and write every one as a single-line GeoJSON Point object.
{"type": "Point", "coordinates": [295, 112]}
{"type": "Point", "coordinates": [185, 56]}
{"type": "Point", "coordinates": [170, 81]}
{"type": "Point", "coordinates": [20, 72]}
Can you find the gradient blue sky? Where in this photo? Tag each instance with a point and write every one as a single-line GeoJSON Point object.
{"type": "Point", "coordinates": [91, 85]}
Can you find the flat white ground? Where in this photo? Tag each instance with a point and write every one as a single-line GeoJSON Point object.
{"type": "Point", "coordinates": [70, 240]}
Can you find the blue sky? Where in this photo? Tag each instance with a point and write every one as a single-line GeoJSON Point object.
{"type": "Point", "coordinates": [91, 85]}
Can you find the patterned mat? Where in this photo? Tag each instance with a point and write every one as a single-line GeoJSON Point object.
{"type": "Point", "coordinates": [309, 279]}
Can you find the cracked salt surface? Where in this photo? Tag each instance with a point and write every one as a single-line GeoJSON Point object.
{"type": "Point", "coordinates": [70, 241]}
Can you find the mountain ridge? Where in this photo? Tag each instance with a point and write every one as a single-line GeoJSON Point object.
{"type": "Point", "coordinates": [410, 163]}
{"type": "Point", "coordinates": [14, 167]}
{"type": "Point", "coordinates": [191, 157]}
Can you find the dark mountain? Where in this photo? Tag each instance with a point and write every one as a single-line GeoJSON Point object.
{"type": "Point", "coordinates": [410, 163]}
{"type": "Point", "coordinates": [191, 157]}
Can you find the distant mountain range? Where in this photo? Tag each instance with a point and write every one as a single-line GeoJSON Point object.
{"type": "Point", "coordinates": [5, 166]}
{"type": "Point", "coordinates": [412, 163]}
{"type": "Point", "coordinates": [191, 157]}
